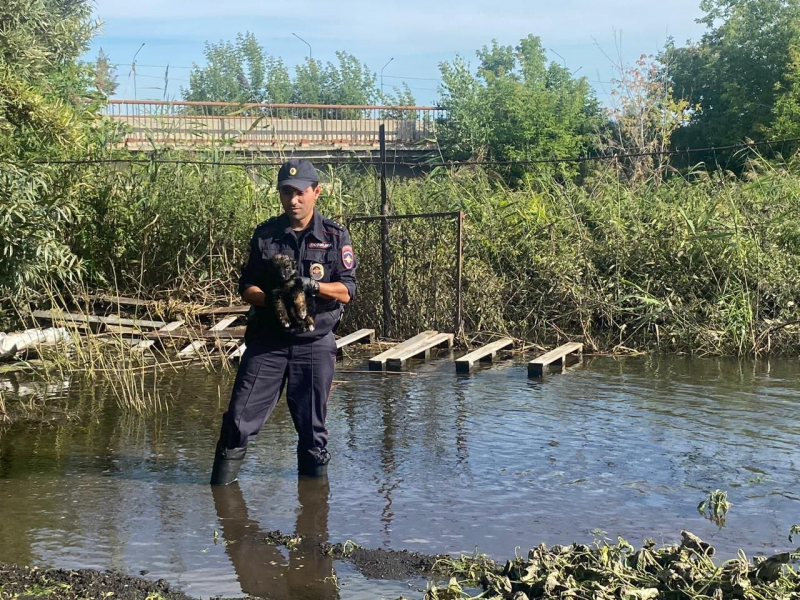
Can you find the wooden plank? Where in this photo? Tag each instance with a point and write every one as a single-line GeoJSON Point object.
{"type": "Point", "coordinates": [484, 353]}
{"type": "Point", "coordinates": [192, 348]}
{"type": "Point", "coordinates": [355, 337]}
{"type": "Point", "coordinates": [52, 315]}
{"type": "Point", "coordinates": [226, 310]}
{"type": "Point", "coordinates": [143, 345]}
{"type": "Point", "coordinates": [231, 333]}
{"type": "Point", "coordinates": [537, 365]}
{"type": "Point", "coordinates": [223, 324]}
{"type": "Point", "coordinates": [376, 363]}
{"type": "Point", "coordinates": [398, 360]}
{"type": "Point", "coordinates": [237, 353]}
{"type": "Point", "coordinates": [119, 300]}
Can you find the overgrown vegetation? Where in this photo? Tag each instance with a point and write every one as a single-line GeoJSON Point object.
{"type": "Point", "coordinates": [706, 265]}
{"type": "Point", "coordinates": [621, 254]}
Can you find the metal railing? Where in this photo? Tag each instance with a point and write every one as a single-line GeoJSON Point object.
{"type": "Point", "coordinates": [264, 126]}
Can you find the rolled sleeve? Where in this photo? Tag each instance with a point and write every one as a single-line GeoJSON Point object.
{"type": "Point", "coordinates": [343, 272]}
{"type": "Point", "coordinates": [253, 269]}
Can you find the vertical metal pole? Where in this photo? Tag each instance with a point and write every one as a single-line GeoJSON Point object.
{"type": "Point", "coordinates": [459, 267]}
{"type": "Point", "coordinates": [385, 266]}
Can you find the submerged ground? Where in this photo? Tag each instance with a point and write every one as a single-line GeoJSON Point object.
{"type": "Point", "coordinates": [431, 462]}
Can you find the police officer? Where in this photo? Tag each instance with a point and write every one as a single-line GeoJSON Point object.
{"type": "Point", "coordinates": [300, 362]}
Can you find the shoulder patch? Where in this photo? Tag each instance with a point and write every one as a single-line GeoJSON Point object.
{"type": "Point", "coordinates": [348, 258]}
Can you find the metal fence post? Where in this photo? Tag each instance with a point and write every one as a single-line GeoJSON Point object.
{"type": "Point", "coordinates": [385, 259]}
{"type": "Point", "coordinates": [459, 270]}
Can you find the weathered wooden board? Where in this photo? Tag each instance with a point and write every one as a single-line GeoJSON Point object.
{"type": "Point", "coordinates": [423, 347]}
{"type": "Point", "coordinates": [226, 310]}
{"type": "Point", "coordinates": [484, 353]}
{"type": "Point", "coordinates": [224, 323]}
{"type": "Point", "coordinates": [537, 366]}
{"type": "Point", "coordinates": [52, 315]}
{"type": "Point", "coordinates": [192, 348]}
{"type": "Point", "coordinates": [143, 345]}
{"type": "Point", "coordinates": [354, 337]}
{"type": "Point", "coordinates": [237, 353]}
{"type": "Point", "coordinates": [376, 363]}
{"type": "Point", "coordinates": [216, 330]}
{"type": "Point", "coordinates": [119, 300]}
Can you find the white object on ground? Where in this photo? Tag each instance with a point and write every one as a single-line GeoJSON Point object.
{"type": "Point", "coordinates": [11, 343]}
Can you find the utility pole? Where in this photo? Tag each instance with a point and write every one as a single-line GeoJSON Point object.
{"type": "Point", "coordinates": [382, 68]}
{"type": "Point", "coordinates": [306, 43]}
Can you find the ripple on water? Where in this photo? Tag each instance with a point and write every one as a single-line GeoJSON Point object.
{"type": "Point", "coordinates": [432, 462]}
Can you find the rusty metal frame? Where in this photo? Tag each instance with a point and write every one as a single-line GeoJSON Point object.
{"type": "Point", "coordinates": [460, 217]}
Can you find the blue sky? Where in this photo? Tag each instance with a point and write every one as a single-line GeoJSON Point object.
{"type": "Point", "coordinates": [418, 35]}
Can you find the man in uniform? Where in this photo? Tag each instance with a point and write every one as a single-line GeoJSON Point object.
{"type": "Point", "coordinates": [300, 362]}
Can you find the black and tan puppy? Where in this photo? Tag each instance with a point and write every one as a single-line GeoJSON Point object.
{"type": "Point", "coordinates": [285, 289]}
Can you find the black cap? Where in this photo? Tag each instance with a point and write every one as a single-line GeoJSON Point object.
{"type": "Point", "coordinates": [298, 173]}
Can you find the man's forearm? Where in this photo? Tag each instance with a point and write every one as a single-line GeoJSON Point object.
{"type": "Point", "coordinates": [327, 291]}
{"type": "Point", "coordinates": [334, 291]}
{"type": "Point", "coordinates": [254, 295]}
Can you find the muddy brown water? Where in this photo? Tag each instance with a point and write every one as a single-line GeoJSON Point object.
{"type": "Point", "coordinates": [432, 463]}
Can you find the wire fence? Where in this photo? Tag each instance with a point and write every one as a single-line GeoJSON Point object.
{"type": "Point", "coordinates": [424, 275]}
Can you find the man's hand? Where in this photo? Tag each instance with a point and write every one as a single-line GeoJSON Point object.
{"type": "Point", "coordinates": [310, 285]}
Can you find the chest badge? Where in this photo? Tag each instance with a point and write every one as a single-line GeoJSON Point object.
{"type": "Point", "coordinates": [317, 272]}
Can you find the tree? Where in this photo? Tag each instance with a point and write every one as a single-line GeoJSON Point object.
{"type": "Point", "coordinates": [786, 123]}
{"type": "Point", "coordinates": [239, 71]}
{"type": "Point", "coordinates": [644, 118]}
{"type": "Point", "coordinates": [733, 75]}
{"type": "Point", "coordinates": [46, 112]}
{"type": "Point", "coordinates": [348, 82]}
{"type": "Point", "coordinates": [242, 71]}
{"type": "Point", "coordinates": [516, 107]}
{"type": "Point", "coordinates": [105, 75]}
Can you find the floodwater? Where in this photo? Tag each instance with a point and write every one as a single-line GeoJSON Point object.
{"type": "Point", "coordinates": [432, 462]}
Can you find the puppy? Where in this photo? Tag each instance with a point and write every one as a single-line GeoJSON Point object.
{"type": "Point", "coordinates": [285, 289]}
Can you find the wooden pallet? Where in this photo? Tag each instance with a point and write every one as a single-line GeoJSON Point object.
{"type": "Point", "coordinates": [483, 354]}
{"type": "Point", "coordinates": [398, 361]}
{"type": "Point", "coordinates": [356, 336]}
{"type": "Point", "coordinates": [536, 368]}
{"type": "Point", "coordinates": [377, 363]}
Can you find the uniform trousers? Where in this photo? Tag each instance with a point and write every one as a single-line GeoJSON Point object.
{"type": "Point", "coordinates": [304, 369]}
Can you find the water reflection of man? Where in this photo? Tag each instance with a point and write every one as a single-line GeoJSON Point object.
{"type": "Point", "coordinates": [261, 568]}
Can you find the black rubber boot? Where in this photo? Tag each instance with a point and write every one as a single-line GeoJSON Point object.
{"type": "Point", "coordinates": [226, 464]}
{"type": "Point", "coordinates": [313, 465]}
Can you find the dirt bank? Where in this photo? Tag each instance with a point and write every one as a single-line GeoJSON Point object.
{"type": "Point", "coordinates": [33, 582]}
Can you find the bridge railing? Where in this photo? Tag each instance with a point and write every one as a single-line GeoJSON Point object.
{"type": "Point", "coordinates": [263, 126]}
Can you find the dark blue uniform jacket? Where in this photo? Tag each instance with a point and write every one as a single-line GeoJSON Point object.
{"type": "Point", "coordinates": [325, 253]}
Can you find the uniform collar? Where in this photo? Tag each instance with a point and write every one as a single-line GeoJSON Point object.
{"type": "Point", "coordinates": [316, 226]}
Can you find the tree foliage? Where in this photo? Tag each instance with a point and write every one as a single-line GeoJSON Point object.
{"type": "Point", "coordinates": [46, 112]}
{"type": "Point", "coordinates": [736, 73]}
{"type": "Point", "coordinates": [516, 107]}
{"type": "Point", "coordinates": [105, 75]}
{"type": "Point", "coordinates": [242, 71]}
{"type": "Point", "coordinates": [644, 117]}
